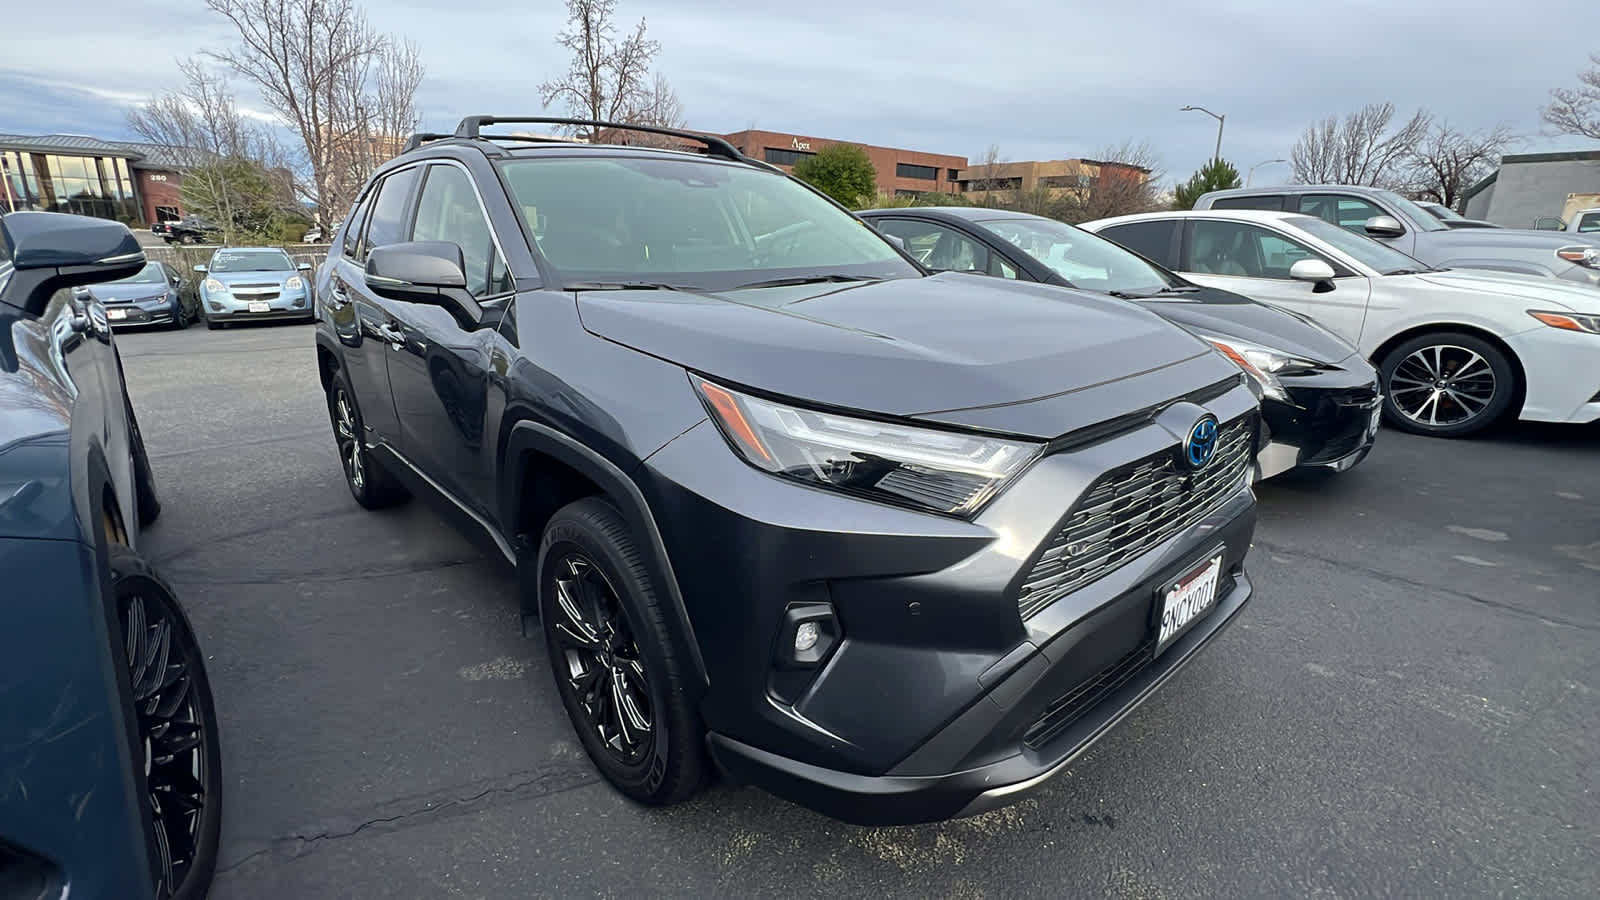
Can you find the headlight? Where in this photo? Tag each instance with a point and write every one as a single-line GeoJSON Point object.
{"type": "Point", "coordinates": [1265, 364]}
{"type": "Point", "coordinates": [1583, 256]}
{"type": "Point", "coordinates": [1568, 321]}
{"type": "Point", "coordinates": [294, 283]}
{"type": "Point", "coordinates": [942, 471]}
{"type": "Point", "coordinates": [214, 286]}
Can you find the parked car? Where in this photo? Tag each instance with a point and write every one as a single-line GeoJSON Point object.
{"type": "Point", "coordinates": [110, 763]}
{"type": "Point", "coordinates": [894, 545]}
{"type": "Point", "coordinates": [253, 284]}
{"type": "Point", "coordinates": [187, 230]}
{"type": "Point", "coordinates": [1404, 226]}
{"type": "Point", "coordinates": [1451, 218]}
{"type": "Point", "coordinates": [151, 296]}
{"type": "Point", "coordinates": [1319, 395]}
{"type": "Point", "coordinates": [1456, 349]}
{"type": "Point", "coordinates": [1585, 221]}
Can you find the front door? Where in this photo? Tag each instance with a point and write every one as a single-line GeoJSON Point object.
{"type": "Point", "coordinates": [440, 371]}
{"type": "Point", "coordinates": [1254, 261]}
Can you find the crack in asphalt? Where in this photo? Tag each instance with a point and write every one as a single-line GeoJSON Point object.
{"type": "Point", "coordinates": [186, 577]}
{"type": "Point", "coordinates": [1448, 591]}
{"type": "Point", "coordinates": [218, 448]}
{"type": "Point", "coordinates": [547, 783]}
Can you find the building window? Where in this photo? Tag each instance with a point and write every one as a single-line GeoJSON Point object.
{"type": "Point", "coordinates": [780, 156]}
{"type": "Point", "coordinates": [1013, 183]}
{"type": "Point", "coordinates": [1066, 181]}
{"type": "Point", "coordinates": [907, 170]}
{"type": "Point", "coordinates": [953, 174]}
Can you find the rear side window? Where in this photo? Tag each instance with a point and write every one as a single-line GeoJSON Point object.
{"type": "Point", "coordinates": [352, 231]}
{"type": "Point", "coordinates": [388, 223]}
{"type": "Point", "coordinates": [1259, 201]}
{"type": "Point", "coordinates": [1152, 240]}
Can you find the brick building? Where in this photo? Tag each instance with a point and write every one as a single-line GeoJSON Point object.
{"type": "Point", "coordinates": [123, 180]}
{"type": "Point", "coordinates": [900, 172]}
{"type": "Point", "coordinates": [1058, 176]}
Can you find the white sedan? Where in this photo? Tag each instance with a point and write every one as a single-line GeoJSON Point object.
{"type": "Point", "coordinates": [1455, 349]}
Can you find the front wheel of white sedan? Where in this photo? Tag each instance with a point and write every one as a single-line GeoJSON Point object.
{"type": "Point", "coordinates": [1446, 384]}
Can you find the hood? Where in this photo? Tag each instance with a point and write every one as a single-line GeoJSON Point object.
{"type": "Point", "coordinates": [904, 347]}
{"type": "Point", "coordinates": [276, 276]}
{"type": "Point", "coordinates": [1518, 289]}
{"type": "Point", "coordinates": [1507, 238]}
{"type": "Point", "coordinates": [127, 292]}
{"type": "Point", "coordinates": [1226, 314]}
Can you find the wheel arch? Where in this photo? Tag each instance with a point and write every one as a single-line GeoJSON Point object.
{"type": "Point", "coordinates": [328, 362]}
{"type": "Point", "coordinates": [530, 443]}
{"type": "Point", "coordinates": [1519, 395]}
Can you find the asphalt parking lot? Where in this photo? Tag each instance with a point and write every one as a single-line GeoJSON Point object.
{"type": "Point", "coordinates": [1408, 708]}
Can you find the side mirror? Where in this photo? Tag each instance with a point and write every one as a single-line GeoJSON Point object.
{"type": "Point", "coordinates": [200, 269]}
{"type": "Point", "coordinates": [1384, 226]}
{"type": "Point", "coordinates": [431, 272]}
{"type": "Point", "coordinates": [896, 240]}
{"type": "Point", "coordinates": [304, 267]}
{"type": "Point", "coordinates": [54, 251]}
{"type": "Point", "coordinates": [1311, 270]}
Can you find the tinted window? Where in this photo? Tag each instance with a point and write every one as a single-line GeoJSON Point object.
{"type": "Point", "coordinates": [1349, 213]}
{"type": "Point", "coordinates": [388, 225]}
{"type": "Point", "coordinates": [449, 211]}
{"type": "Point", "coordinates": [1149, 239]}
{"type": "Point", "coordinates": [907, 170]}
{"type": "Point", "coordinates": [352, 231]}
{"type": "Point", "coordinates": [941, 247]}
{"type": "Point", "coordinates": [1235, 248]}
{"type": "Point", "coordinates": [1258, 201]}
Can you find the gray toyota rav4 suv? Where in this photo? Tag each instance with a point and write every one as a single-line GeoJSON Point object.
{"type": "Point", "coordinates": [894, 545]}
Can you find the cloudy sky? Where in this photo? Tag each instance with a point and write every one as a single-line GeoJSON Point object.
{"type": "Point", "coordinates": [945, 76]}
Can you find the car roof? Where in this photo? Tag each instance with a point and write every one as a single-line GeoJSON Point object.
{"type": "Point", "coordinates": [1293, 188]}
{"type": "Point", "coordinates": [963, 213]}
{"type": "Point", "coordinates": [1262, 216]}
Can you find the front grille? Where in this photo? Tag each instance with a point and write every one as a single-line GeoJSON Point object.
{"type": "Point", "coordinates": [1071, 706]}
{"type": "Point", "coordinates": [1132, 509]}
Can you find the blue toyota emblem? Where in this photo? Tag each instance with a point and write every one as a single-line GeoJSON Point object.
{"type": "Point", "coordinates": [1201, 444]}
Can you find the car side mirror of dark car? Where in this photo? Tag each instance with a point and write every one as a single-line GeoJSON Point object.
{"type": "Point", "coordinates": [432, 272]}
{"type": "Point", "coordinates": [1384, 226]}
{"type": "Point", "coordinates": [1316, 271]}
{"type": "Point", "coordinates": [55, 251]}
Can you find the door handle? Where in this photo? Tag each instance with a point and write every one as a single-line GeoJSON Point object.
{"type": "Point", "coordinates": [392, 334]}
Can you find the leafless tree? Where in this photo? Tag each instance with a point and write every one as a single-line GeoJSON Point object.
{"type": "Point", "coordinates": [1577, 110]}
{"type": "Point", "coordinates": [338, 83]}
{"type": "Point", "coordinates": [986, 176]}
{"type": "Point", "coordinates": [610, 78]}
{"type": "Point", "coordinates": [1445, 162]}
{"type": "Point", "coordinates": [1361, 149]}
{"type": "Point", "coordinates": [1128, 182]}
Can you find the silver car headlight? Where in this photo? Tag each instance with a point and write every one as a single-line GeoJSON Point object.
{"type": "Point", "coordinates": [1588, 257]}
{"type": "Point", "coordinates": [294, 283]}
{"type": "Point", "coordinates": [1264, 364]}
{"type": "Point", "coordinates": [939, 471]}
{"type": "Point", "coordinates": [1568, 321]}
{"type": "Point", "coordinates": [214, 286]}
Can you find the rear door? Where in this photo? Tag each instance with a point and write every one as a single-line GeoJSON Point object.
{"type": "Point", "coordinates": [440, 372]}
{"type": "Point", "coordinates": [368, 330]}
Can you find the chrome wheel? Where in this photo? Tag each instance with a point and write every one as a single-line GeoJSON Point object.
{"type": "Point", "coordinates": [172, 730]}
{"type": "Point", "coordinates": [347, 433]}
{"type": "Point", "coordinates": [1443, 385]}
{"type": "Point", "coordinates": [601, 661]}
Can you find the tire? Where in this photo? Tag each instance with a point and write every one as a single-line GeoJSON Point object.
{"type": "Point", "coordinates": [1423, 380]}
{"type": "Point", "coordinates": [586, 553]}
{"type": "Point", "coordinates": [173, 721]}
{"type": "Point", "coordinates": [144, 480]}
{"type": "Point", "coordinates": [373, 486]}
{"type": "Point", "coordinates": [212, 324]}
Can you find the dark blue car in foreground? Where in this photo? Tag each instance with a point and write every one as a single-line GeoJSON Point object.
{"type": "Point", "coordinates": [110, 767]}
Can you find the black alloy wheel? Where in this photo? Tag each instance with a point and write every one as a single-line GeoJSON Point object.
{"type": "Point", "coordinates": [1447, 385]}
{"type": "Point", "coordinates": [178, 753]}
{"type": "Point", "coordinates": [616, 665]}
{"type": "Point", "coordinates": [370, 483]}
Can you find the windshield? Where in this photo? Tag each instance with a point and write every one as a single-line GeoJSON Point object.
{"type": "Point", "coordinates": [1425, 221]}
{"type": "Point", "coordinates": [1367, 251]}
{"type": "Point", "coordinates": [1086, 260]}
{"type": "Point", "coordinates": [150, 274]}
{"type": "Point", "coordinates": [1444, 213]}
{"type": "Point", "coordinates": [689, 223]}
{"type": "Point", "coordinates": [263, 260]}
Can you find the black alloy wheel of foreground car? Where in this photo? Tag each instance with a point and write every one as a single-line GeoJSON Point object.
{"type": "Point", "coordinates": [369, 482]}
{"type": "Point", "coordinates": [1446, 384]}
{"type": "Point", "coordinates": [178, 754]}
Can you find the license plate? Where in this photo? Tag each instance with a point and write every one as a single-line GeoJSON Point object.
{"type": "Point", "coordinates": [116, 314]}
{"type": "Point", "coordinates": [1187, 599]}
{"type": "Point", "coordinates": [260, 306]}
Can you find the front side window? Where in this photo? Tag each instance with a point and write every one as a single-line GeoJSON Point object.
{"type": "Point", "coordinates": [388, 217]}
{"type": "Point", "coordinates": [688, 222]}
{"type": "Point", "coordinates": [448, 210]}
{"type": "Point", "coordinates": [1244, 250]}
{"type": "Point", "coordinates": [251, 260]}
{"type": "Point", "coordinates": [1349, 213]}
{"type": "Point", "coordinates": [1085, 260]}
{"type": "Point", "coordinates": [944, 249]}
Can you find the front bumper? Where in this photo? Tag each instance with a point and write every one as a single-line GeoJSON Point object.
{"type": "Point", "coordinates": [1330, 423]}
{"type": "Point", "coordinates": [1562, 369]}
{"type": "Point", "coordinates": [285, 305]}
{"type": "Point", "coordinates": [141, 314]}
{"type": "Point", "coordinates": [929, 704]}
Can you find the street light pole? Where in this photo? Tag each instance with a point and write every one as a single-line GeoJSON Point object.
{"type": "Point", "coordinates": [1265, 162]}
{"type": "Point", "coordinates": [1220, 122]}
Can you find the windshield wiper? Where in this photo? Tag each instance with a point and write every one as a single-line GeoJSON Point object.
{"type": "Point", "coordinates": [623, 286]}
{"type": "Point", "coordinates": [1129, 295]}
{"type": "Point", "coordinates": [802, 279]}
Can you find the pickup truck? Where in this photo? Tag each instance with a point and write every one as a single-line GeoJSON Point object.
{"type": "Point", "coordinates": [1407, 227]}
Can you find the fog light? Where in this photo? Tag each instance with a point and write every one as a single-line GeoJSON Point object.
{"type": "Point", "coordinates": [215, 306]}
{"type": "Point", "coordinates": [806, 636]}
